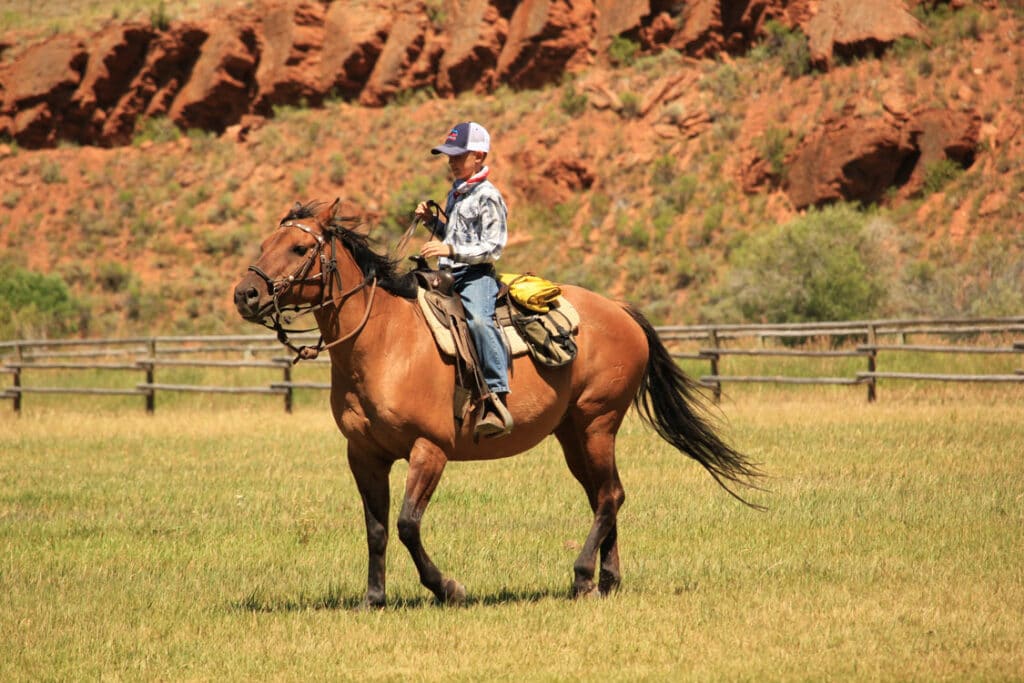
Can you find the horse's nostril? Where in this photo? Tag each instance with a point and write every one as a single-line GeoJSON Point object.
{"type": "Point", "coordinates": [251, 295]}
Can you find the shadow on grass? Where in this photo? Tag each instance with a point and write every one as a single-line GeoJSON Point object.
{"type": "Point", "coordinates": [333, 599]}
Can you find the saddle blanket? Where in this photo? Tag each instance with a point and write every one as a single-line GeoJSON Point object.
{"type": "Point", "coordinates": [516, 344]}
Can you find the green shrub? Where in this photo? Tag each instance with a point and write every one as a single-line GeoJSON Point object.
{"type": "Point", "coordinates": [11, 199]}
{"type": "Point", "coordinates": [144, 306]}
{"type": "Point", "coordinates": [159, 18]}
{"type": "Point", "coordinates": [630, 105]}
{"type": "Point", "coordinates": [572, 103]}
{"type": "Point", "coordinates": [623, 51]}
{"type": "Point", "coordinates": [36, 305]}
{"type": "Point", "coordinates": [712, 221]}
{"type": "Point", "coordinates": [436, 14]}
{"type": "Point", "coordinates": [223, 241]}
{"type": "Point", "coordinates": [155, 129]}
{"type": "Point", "coordinates": [113, 276]}
{"type": "Point", "coordinates": [50, 173]}
{"type": "Point", "coordinates": [663, 171]}
{"type": "Point", "coordinates": [223, 211]}
{"type": "Point", "coordinates": [682, 191]}
{"type": "Point", "coordinates": [789, 45]}
{"type": "Point", "coordinates": [726, 128]}
{"type": "Point", "coordinates": [723, 82]}
{"type": "Point", "coordinates": [772, 148]}
{"type": "Point", "coordinates": [938, 174]}
{"type": "Point", "coordinates": [633, 234]}
{"type": "Point", "coordinates": [300, 180]}
{"type": "Point", "coordinates": [822, 266]}
{"type": "Point", "coordinates": [982, 279]}
{"type": "Point", "coordinates": [337, 169]}
{"type": "Point", "coordinates": [398, 212]}
{"type": "Point", "coordinates": [600, 204]}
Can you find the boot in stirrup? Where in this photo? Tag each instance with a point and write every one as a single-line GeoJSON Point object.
{"type": "Point", "coordinates": [495, 421]}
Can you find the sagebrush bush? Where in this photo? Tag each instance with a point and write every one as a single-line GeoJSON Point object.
{"type": "Point", "coordinates": [623, 51]}
{"type": "Point", "coordinates": [630, 105]}
{"type": "Point", "coordinates": [156, 129]}
{"type": "Point", "coordinates": [790, 45]}
{"type": "Point", "coordinates": [36, 305]}
{"type": "Point", "coordinates": [938, 174]}
{"type": "Point", "coordinates": [822, 266]}
{"type": "Point", "coordinates": [573, 103]}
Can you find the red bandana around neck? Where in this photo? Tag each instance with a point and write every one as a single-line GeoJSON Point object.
{"type": "Point", "coordinates": [478, 177]}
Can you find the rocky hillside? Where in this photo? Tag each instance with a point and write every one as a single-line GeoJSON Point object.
{"type": "Point", "coordinates": [640, 143]}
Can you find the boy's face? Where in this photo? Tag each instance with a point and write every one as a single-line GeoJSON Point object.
{"type": "Point", "coordinates": [465, 165]}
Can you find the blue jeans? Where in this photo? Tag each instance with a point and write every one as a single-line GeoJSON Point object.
{"type": "Point", "coordinates": [478, 288]}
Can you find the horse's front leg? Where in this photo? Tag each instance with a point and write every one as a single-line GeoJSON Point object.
{"type": "Point", "coordinates": [371, 475]}
{"type": "Point", "coordinates": [426, 464]}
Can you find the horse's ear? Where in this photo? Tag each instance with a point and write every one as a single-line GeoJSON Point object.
{"type": "Point", "coordinates": [332, 212]}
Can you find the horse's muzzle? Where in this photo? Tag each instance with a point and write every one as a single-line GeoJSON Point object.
{"type": "Point", "coordinates": [247, 298]}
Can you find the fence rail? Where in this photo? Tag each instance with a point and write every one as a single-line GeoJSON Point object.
{"type": "Point", "coordinates": [150, 355]}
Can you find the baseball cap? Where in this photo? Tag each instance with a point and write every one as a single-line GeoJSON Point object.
{"type": "Point", "coordinates": [465, 137]}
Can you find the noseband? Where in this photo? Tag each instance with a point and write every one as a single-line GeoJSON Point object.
{"type": "Point", "coordinates": [275, 316]}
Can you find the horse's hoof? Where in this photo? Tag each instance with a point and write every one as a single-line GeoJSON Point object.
{"type": "Point", "coordinates": [608, 584]}
{"type": "Point", "coordinates": [585, 590]}
{"type": "Point", "coordinates": [454, 593]}
{"type": "Point", "coordinates": [368, 606]}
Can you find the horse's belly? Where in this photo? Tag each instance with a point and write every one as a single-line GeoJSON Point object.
{"type": "Point", "coordinates": [533, 423]}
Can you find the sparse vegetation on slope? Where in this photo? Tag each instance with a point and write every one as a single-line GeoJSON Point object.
{"type": "Point", "coordinates": [650, 180]}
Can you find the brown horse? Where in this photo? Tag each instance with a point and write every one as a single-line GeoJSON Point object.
{"type": "Point", "coordinates": [391, 391]}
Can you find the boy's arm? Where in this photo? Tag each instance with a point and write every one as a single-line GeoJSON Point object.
{"type": "Point", "coordinates": [432, 220]}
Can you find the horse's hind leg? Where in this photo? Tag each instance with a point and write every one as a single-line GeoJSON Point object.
{"type": "Point", "coordinates": [590, 454]}
{"type": "Point", "coordinates": [426, 464]}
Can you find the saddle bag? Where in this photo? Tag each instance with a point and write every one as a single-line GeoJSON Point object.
{"type": "Point", "coordinates": [549, 342]}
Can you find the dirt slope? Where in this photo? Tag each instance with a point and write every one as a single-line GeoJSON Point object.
{"type": "Point", "coordinates": [636, 141]}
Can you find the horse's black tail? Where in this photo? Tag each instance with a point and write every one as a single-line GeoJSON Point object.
{"type": "Point", "coordinates": [665, 402]}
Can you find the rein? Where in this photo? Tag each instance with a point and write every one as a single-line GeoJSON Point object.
{"type": "Point", "coordinates": [328, 276]}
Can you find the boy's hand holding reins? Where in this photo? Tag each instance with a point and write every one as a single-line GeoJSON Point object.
{"type": "Point", "coordinates": [436, 248]}
{"type": "Point", "coordinates": [423, 211]}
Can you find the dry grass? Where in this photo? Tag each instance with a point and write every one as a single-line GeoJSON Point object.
{"type": "Point", "coordinates": [40, 17]}
{"type": "Point", "coordinates": [134, 548]}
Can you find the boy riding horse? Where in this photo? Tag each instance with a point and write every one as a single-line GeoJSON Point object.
{"type": "Point", "coordinates": [473, 237]}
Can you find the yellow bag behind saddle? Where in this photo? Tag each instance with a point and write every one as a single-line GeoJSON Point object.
{"type": "Point", "coordinates": [531, 291]}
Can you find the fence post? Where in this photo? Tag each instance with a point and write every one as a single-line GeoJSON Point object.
{"type": "Point", "coordinates": [716, 391]}
{"type": "Point", "coordinates": [18, 357]}
{"type": "Point", "coordinates": [872, 396]}
{"type": "Point", "coordinates": [17, 394]}
{"type": "Point", "coordinates": [872, 339]}
{"type": "Point", "coordinates": [150, 392]}
{"type": "Point", "coordinates": [288, 387]}
{"type": "Point", "coordinates": [150, 374]}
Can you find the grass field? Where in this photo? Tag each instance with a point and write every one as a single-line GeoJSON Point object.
{"type": "Point", "coordinates": [199, 544]}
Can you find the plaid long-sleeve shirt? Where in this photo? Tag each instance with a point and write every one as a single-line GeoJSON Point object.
{"type": "Point", "coordinates": [477, 227]}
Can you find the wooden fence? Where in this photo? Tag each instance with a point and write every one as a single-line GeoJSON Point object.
{"type": "Point", "coordinates": [719, 337]}
{"type": "Point", "coordinates": [868, 340]}
{"type": "Point", "coordinates": [146, 355]}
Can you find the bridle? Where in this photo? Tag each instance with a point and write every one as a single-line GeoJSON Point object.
{"type": "Point", "coordinates": [275, 316]}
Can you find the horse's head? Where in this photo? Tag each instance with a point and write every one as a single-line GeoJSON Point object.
{"type": "Point", "coordinates": [296, 269]}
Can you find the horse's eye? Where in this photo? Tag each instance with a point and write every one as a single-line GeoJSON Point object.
{"type": "Point", "coordinates": [300, 249]}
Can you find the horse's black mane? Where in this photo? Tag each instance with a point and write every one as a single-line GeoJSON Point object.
{"type": "Point", "coordinates": [373, 264]}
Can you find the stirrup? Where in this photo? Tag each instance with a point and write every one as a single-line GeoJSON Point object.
{"type": "Point", "coordinates": [496, 424]}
